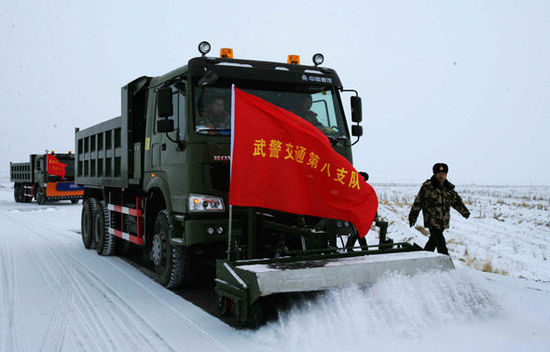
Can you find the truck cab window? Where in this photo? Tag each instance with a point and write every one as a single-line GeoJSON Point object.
{"type": "Point", "coordinates": [319, 107]}
{"type": "Point", "coordinates": [213, 111]}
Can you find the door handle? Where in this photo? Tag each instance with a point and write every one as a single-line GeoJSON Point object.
{"type": "Point", "coordinates": [163, 146]}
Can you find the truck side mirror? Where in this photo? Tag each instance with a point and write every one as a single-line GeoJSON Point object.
{"type": "Point", "coordinates": [356, 113]}
{"type": "Point", "coordinates": [365, 175]}
{"type": "Point", "coordinates": [164, 102]}
{"type": "Point", "coordinates": [165, 125]}
{"type": "Point", "coordinates": [356, 130]}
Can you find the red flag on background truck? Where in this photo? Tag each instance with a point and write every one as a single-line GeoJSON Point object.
{"type": "Point", "coordinates": [280, 161]}
{"type": "Point", "coordinates": [55, 167]}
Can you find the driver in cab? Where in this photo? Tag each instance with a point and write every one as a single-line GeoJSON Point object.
{"type": "Point", "coordinates": [304, 111]}
{"type": "Point", "coordinates": [215, 116]}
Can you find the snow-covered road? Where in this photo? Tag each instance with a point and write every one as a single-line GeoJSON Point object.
{"type": "Point", "coordinates": [57, 296]}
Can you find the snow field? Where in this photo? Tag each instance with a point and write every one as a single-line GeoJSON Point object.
{"type": "Point", "coordinates": [508, 231]}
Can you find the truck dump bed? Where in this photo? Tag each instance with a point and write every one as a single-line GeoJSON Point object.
{"type": "Point", "coordinates": [102, 154]}
{"type": "Point", "coordinates": [21, 172]}
{"type": "Point", "coordinates": [110, 153]}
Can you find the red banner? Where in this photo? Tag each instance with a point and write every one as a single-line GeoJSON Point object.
{"type": "Point", "coordinates": [280, 161]}
{"type": "Point", "coordinates": [55, 167]}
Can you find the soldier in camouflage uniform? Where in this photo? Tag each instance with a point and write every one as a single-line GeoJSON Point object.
{"type": "Point", "coordinates": [435, 198]}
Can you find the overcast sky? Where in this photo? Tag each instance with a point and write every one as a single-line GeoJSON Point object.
{"type": "Point", "coordinates": [462, 82]}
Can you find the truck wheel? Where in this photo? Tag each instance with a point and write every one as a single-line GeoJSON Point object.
{"type": "Point", "coordinates": [41, 196]}
{"type": "Point", "coordinates": [172, 263]}
{"type": "Point", "coordinates": [86, 222]}
{"type": "Point", "coordinates": [105, 242]}
{"type": "Point", "coordinates": [18, 193]}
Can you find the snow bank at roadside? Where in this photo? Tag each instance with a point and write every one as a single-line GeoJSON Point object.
{"type": "Point", "coordinates": [508, 231]}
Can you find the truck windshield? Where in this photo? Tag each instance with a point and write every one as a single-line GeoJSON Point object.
{"type": "Point", "coordinates": [319, 107]}
{"type": "Point", "coordinates": [69, 161]}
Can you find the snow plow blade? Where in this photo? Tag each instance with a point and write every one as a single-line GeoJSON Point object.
{"type": "Point", "coordinates": [317, 275]}
{"type": "Point", "coordinates": [243, 284]}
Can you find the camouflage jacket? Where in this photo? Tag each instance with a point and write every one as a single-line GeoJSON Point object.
{"type": "Point", "coordinates": [435, 200]}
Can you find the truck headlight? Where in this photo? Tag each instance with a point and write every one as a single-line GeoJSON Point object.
{"type": "Point", "coordinates": [204, 203]}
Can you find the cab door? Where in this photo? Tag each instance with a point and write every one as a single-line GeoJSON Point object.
{"type": "Point", "coordinates": [159, 142]}
{"type": "Point", "coordinates": [40, 170]}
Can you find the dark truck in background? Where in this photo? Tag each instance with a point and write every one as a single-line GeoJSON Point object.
{"type": "Point", "coordinates": [157, 178]}
{"type": "Point", "coordinates": [36, 179]}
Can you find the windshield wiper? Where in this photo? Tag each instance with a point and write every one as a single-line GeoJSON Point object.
{"type": "Point", "coordinates": [332, 138]}
{"type": "Point", "coordinates": [210, 130]}
{"type": "Point", "coordinates": [336, 140]}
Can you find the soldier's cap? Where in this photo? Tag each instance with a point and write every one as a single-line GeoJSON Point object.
{"type": "Point", "coordinates": [440, 167]}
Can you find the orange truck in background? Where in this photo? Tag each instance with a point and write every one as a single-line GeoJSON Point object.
{"type": "Point", "coordinates": [45, 177]}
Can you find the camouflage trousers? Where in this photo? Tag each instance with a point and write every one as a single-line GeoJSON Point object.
{"type": "Point", "coordinates": [437, 240]}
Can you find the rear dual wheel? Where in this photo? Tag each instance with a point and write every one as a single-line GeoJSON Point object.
{"type": "Point", "coordinates": [41, 197]}
{"type": "Point", "coordinates": [105, 241]}
{"type": "Point", "coordinates": [19, 193]}
{"type": "Point", "coordinates": [86, 222]}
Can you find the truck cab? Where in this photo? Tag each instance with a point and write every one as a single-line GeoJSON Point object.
{"type": "Point", "coordinates": [46, 177]}
{"type": "Point", "coordinates": [187, 144]}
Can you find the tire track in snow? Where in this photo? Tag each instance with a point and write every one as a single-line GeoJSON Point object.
{"type": "Point", "coordinates": [12, 329]}
{"type": "Point", "coordinates": [92, 324]}
{"type": "Point", "coordinates": [58, 287]}
{"type": "Point", "coordinates": [8, 332]}
{"type": "Point", "coordinates": [60, 290]}
{"type": "Point", "coordinates": [136, 331]}
{"type": "Point", "coordinates": [131, 337]}
{"type": "Point", "coordinates": [54, 336]}
{"type": "Point", "coordinates": [187, 321]}
{"type": "Point", "coordinates": [97, 331]}
{"type": "Point", "coordinates": [87, 283]}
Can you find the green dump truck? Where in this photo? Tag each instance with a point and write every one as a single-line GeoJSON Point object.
{"type": "Point", "coordinates": [158, 177]}
{"type": "Point", "coordinates": [45, 177]}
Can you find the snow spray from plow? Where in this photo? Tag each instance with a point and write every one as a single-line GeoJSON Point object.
{"type": "Point", "coordinates": [394, 310]}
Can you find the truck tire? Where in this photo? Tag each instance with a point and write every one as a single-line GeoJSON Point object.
{"type": "Point", "coordinates": [105, 242]}
{"type": "Point", "coordinates": [86, 222]}
{"type": "Point", "coordinates": [19, 193]}
{"type": "Point", "coordinates": [41, 196]}
{"type": "Point", "coordinates": [172, 263]}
